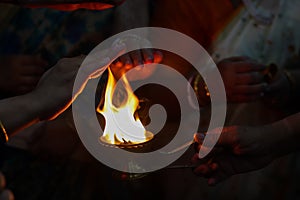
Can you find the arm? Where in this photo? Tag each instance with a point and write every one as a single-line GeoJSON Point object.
{"type": "Point", "coordinates": [16, 114]}
{"type": "Point", "coordinates": [54, 92]}
{"type": "Point", "coordinates": [52, 96]}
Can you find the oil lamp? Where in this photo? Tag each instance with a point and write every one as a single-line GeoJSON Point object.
{"type": "Point", "coordinates": [123, 127]}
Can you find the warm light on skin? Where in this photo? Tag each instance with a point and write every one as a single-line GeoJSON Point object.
{"type": "Point", "coordinates": [121, 126]}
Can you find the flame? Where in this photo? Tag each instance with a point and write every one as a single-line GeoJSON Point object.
{"type": "Point", "coordinates": [122, 125]}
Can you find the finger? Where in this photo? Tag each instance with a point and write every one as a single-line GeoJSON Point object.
{"type": "Point", "coordinates": [242, 67]}
{"type": "Point", "coordinates": [207, 141]}
{"type": "Point", "coordinates": [220, 174]}
{"type": "Point", "coordinates": [214, 166]}
{"type": "Point", "coordinates": [225, 136]}
{"type": "Point", "coordinates": [148, 56]}
{"type": "Point", "coordinates": [126, 61]}
{"type": "Point", "coordinates": [249, 78]}
{"type": "Point", "coordinates": [216, 178]}
{"type": "Point", "coordinates": [250, 89]}
{"type": "Point", "coordinates": [203, 170]}
{"type": "Point", "coordinates": [158, 56]}
{"type": "Point", "coordinates": [137, 58]}
{"type": "Point", "coordinates": [199, 137]}
{"type": "Point", "coordinates": [195, 158]}
{"type": "Point", "coordinates": [117, 63]}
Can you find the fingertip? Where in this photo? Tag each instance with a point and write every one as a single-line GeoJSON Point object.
{"type": "Point", "coordinates": [148, 56]}
{"type": "Point", "coordinates": [128, 65]}
{"type": "Point", "coordinates": [202, 170]}
{"type": "Point", "coordinates": [199, 137]}
{"type": "Point", "coordinates": [149, 60]}
{"type": "Point", "coordinates": [211, 181]}
{"type": "Point", "coordinates": [214, 166]}
{"type": "Point", "coordinates": [118, 64]}
{"type": "Point", "coordinates": [158, 56]}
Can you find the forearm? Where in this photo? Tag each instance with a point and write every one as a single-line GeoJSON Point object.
{"type": "Point", "coordinates": [19, 112]}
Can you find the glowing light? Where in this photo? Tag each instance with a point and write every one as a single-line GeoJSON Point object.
{"type": "Point", "coordinates": [122, 124]}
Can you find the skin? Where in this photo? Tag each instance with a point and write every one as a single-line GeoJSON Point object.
{"type": "Point", "coordinates": [53, 94]}
{"type": "Point", "coordinates": [126, 20]}
{"type": "Point", "coordinates": [51, 97]}
{"type": "Point", "coordinates": [243, 78]}
{"type": "Point", "coordinates": [242, 149]}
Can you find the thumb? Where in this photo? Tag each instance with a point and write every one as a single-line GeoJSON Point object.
{"type": "Point", "coordinates": [222, 136]}
{"type": "Point", "coordinates": [218, 137]}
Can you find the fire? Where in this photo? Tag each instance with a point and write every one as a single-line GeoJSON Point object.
{"type": "Point", "coordinates": [122, 124]}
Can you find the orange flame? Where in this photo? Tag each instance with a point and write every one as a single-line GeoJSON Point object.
{"type": "Point", "coordinates": [122, 125]}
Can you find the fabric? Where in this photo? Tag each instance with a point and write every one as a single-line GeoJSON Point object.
{"type": "Point", "coordinates": [67, 5]}
{"type": "Point", "coordinates": [275, 41]}
{"type": "Point", "coordinates": [49, 33]}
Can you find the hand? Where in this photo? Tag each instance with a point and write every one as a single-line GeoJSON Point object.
{"type": "Point", "coordinates": [54, 91]}
{"type": "Point", "coordinates": [136, 59]}
{"type": "Point", "coordinates": [243, 79]}
{"type": "Point", "coordinates": [20, 74]}
{"type": "Point", "coordinates": [239, 150]}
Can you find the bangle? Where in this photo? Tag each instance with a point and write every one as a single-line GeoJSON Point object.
{"type": "Point", "coordinates": [3, 134]}
{"type": "Point", "coordinates": [203, 96]}
{"type": "Point", "coordinates": [196, 82]}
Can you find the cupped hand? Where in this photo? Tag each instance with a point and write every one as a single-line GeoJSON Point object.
{"type": "Point", "coordinates": [240, 149]}
{"type": "Point", "coordinates": [243, 79]}
{"type": "Point", "coordinates": [20, 74]}
{"type": "Point", "coordinates": [137, 59]}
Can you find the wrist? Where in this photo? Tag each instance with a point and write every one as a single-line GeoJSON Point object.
{"type": "Point", "coordinates": [37, 105]}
